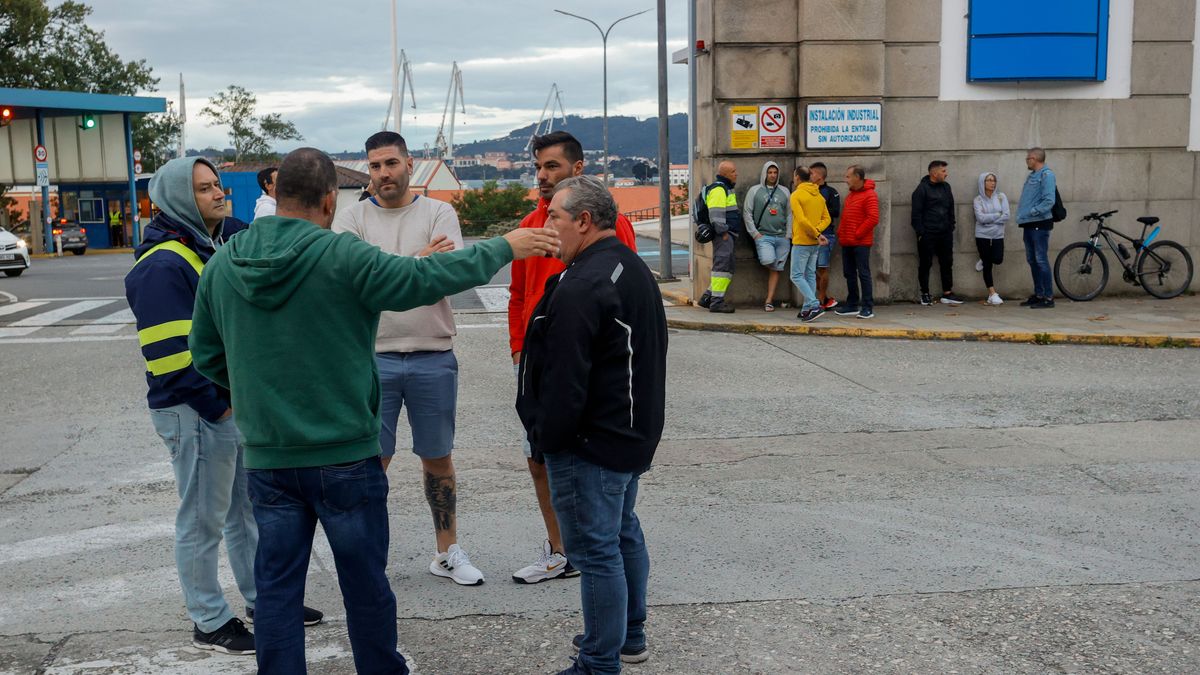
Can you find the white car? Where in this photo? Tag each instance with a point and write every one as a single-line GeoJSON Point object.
{"type": "Point", "coordinates": [14, 254]}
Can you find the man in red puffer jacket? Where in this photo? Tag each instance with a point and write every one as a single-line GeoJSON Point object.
{"type": "Point", "coordinates": [856, 234]}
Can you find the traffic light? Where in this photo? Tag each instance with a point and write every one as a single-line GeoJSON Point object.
{"type": "Point", "coordinates": [6, 116]}
{"type": "Point", "coordinates": [88, 122]}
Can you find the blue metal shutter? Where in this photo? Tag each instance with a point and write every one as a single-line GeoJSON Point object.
{"type": "Point", "coordinates": [1038, 40]}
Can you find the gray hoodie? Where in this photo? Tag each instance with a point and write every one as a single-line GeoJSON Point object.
{"type": "Point", "coordinates": [991, 214]}
{"type": "Point", "coordinates": [768, 207]}
{"type": "Point", "coordinates": [171, 190]}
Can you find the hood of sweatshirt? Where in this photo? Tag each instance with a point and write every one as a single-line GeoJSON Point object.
{"type": "Point", "coordinates": [982, 192]}
{"type": "Point", "coordinates": [269, 261]}
{"type": "Point", "coordinates": [762, 178]}
{"type": "Point", "coordinates": [810, 189]}
{"type": "Point", "coordinates": [171, 190]}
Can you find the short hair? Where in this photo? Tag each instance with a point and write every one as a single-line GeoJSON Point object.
{"type": "Point", "coordinates": [589, 194]}
{"type": "Point", "coordinates": [306, 175]}
{"type": "Point", "coordinates": [803, 173]}
{"type": "Point", "coordinates": [819, 166]}
{"type": "Point", "coordinates": [264, 177]}
{"type": "Point", "coordinates": [936, 164]}
{"type": "Point", "coordinates": [383, 139]}
{"type": "Point", "coordinates": [858, 171]}
{"type": "Point", "coordinates": [1039, 154]}
{"type": "Point", "coordinates": [572, 149]}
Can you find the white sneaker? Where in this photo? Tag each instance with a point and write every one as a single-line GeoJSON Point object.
{"type": "Point", "coordinates": [456, 566]}
{"type": "Point", "coordinates": [978, 265]}
{"type": "Point", "coordinates": [995, 299]}
{"type": "Point", "coordinates": [549, 565]}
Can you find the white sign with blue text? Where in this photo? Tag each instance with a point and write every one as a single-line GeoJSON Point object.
{"type": "Point", "coordinates": [835, 126]}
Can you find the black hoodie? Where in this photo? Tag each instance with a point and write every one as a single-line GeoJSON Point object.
{"type": "Point", "coordinates": [932, 208]}
{"type": "Point", "coordinates": [593, 371]}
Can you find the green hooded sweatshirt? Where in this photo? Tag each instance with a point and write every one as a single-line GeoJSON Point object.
{"type": "Point", "coordinates": [285, 318]}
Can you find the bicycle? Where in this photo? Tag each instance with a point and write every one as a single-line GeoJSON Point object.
{"type": "Point", "coordinates": [1163, 268]}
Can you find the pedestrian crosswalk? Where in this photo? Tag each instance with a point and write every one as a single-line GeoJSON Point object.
{"type": "Point", "coordinates": [84, 319]}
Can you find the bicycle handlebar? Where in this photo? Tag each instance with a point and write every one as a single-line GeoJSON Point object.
{"type": "Point", "coordinates": [1099, 216]}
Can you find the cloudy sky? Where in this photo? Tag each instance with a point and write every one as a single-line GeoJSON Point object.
{"type": "Point", "coordinates": [327, 65]}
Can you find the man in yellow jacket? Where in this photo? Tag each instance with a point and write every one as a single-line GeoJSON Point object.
{"type": "Point", "coordinates": [810, 216]}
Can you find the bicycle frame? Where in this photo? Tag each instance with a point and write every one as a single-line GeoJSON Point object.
{"type": "Point", "coordinates": [1139, 244]}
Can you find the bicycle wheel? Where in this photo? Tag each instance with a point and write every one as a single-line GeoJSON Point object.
{"type": "Point", "coordinates": [1165, 269]}
{"type": "Point", "coordinates": [1081, 271]}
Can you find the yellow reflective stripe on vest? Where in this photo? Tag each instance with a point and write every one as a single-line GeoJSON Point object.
{"type": "Point", "coordinates": [163, 331]}
{"type": "Point", "coordinates": [178, 249]}
{"type": "Point", "coordinates": [169, 364]}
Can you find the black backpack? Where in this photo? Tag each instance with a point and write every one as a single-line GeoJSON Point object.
{"type": "Point", "coordinates": [1058, 212]}
{"type": "Point", "coordinates": [704, 229]}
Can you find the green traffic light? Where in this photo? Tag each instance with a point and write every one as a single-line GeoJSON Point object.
{"type": "Point", "coordinates": [89, 122]}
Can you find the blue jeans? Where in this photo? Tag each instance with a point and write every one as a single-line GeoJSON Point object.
{"type": "Point", "coordinates": [825, 251]}
{"type": "Point", "coordinates": [1037, 254]}
{"type": "Point", "coordinates": [804, 274]}
{"type": "Point", "coordinates": [426, 383]}
{"type": "Point", "coordinates": [604, 538]}
{"type": "Point", "coordinates": [856, 267]}
{"type": "Point", "coordinates": [211, 480]}
{"type": "Point", "coordinates": [772, 251]}
{"type": "Point", "coordinates": [350, 502]}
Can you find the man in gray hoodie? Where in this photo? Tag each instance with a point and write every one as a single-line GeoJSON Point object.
{"type": "Point", "coordinates": [768, 220]}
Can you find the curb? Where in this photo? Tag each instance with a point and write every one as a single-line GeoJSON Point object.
{"type": "Point", "coordinates": [91, 251]}
{"type": "Point", "coordinates": [677, 297]}
{"type": "Point", "coordinates": [1144, 340]}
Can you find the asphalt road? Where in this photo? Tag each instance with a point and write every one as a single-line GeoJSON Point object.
{"type": "Point", "coordinates": [817, 505]}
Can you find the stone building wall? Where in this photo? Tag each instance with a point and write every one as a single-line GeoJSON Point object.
{"type": "Point", "coordinates": [1125, 153]}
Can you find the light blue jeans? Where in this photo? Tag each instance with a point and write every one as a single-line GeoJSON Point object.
{"type": "Point", "coordinates": [804, 274]}
{"type": "Point", "coordinates": [213, 502]}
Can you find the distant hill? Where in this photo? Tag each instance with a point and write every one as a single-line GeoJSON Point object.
{"type": "Point", "coordinates": [627, 137]}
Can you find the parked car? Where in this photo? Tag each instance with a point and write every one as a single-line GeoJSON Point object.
{"type": "Point", "coordinates": [74, 237]}
{"type": "Point", "coordinates": [14, 254]}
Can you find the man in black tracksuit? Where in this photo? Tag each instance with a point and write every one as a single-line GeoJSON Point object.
{"type": "Point", "coordinates": [933, 220]}
{"type": "Point", "coordinates": [591, 395]}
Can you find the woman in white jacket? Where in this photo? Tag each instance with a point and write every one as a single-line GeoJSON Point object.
{"type": "Point", "coordinates": [991, 216]}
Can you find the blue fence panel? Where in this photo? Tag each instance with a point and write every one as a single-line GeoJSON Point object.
{"type": "Point", "coordinates": [244, 191]}
{"type": "Point", "coordinates": [1038, 40]}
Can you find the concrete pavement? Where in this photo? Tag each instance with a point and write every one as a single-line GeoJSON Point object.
{"type": "Point", "coordinates": [1125, 320]}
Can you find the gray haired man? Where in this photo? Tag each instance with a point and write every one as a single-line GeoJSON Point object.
{"type": "Point", "coordinates": [591, 396]}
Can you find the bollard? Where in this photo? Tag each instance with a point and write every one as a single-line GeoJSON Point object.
{"type": "Point", "coordinates": [58, 246]}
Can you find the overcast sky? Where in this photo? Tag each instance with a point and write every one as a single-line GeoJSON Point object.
{"type": "Point", "coordinates": [327, 65]}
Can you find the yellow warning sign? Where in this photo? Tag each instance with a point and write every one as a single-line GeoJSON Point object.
{"type": "Point", "coordinates": [743, 129]}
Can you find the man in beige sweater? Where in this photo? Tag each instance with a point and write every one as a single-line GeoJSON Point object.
{"type": "Point", "coordinates": [414, 349]}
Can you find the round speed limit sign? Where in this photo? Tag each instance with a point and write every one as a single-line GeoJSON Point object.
{"type": "Point", "coordinates": [40, 154]}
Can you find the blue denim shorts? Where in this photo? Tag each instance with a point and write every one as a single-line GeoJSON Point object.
{"type": "Point", "coordinates": [773, 251]}
{"type": "Point", "coordinates": [824, 253]}
{"type": "Point", "coordinates": [426, 383]}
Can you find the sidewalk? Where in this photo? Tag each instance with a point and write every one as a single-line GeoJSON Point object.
{"type": "Point", "coordinates": [1135, 321]}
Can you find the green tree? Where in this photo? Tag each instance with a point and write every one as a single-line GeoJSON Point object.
{"type": "Point", "coordinates": [157, 136]}
{"type": "Point", "coordinates": [477, 209]}
{"type": "Point", "coordinates": [251, 135]}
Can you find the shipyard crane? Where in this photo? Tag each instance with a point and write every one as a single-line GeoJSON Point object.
{"type": "Point", "coordinates": [555, 95]}
{"type": "Point", "coordinates": [454, 101]}
{"type": "Point", "coordinates": [401, 79]}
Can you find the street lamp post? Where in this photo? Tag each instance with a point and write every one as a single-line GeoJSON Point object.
{"type": "Point", "coordinates": [604, 40]}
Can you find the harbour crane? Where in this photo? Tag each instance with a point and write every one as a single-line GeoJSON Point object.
{"type": "Point", "coordinates": [401, 80]}
{"type": "Point", "coordinates": [454, 101]}
{"type": "Point", "coordinates": [555, 95]}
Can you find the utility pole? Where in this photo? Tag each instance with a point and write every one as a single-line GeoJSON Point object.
{"type": "Point", "coordinates": [182, 120]}
{"type": "Point", "coordinates": [664, 153]}
{"type": "Point", "coordinates": [604, 41]}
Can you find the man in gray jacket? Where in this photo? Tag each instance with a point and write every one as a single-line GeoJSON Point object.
{"type": "Point", "coordinates": [768, 220]}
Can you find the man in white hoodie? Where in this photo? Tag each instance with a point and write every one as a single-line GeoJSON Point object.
{"type": "Point", "coordinates": [265, 206]}
{"type": "Point", "coordinates": [768, 220]}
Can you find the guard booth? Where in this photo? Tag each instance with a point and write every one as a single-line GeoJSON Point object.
{"type": "Point", "coordinates": [82, 143]}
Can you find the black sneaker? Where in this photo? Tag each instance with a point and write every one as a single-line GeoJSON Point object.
{"type": "Point", "coordinates": [951, 299]}
{"type": "Point", "coordinates": [866, 314]}
{"type": "Point", "coordinates": [926, 299]}
{"type": "Point", "coordinates": [1031, 301]}
{"type": "Point", "coordinates": [570, 571]}
{"type": "Point", "coordinates": [312, 617]}
{"type": "Point", "coordinates": [627, 655]}
{"type": "Point", "coordinates": [705, 300]}
{"type": "Point", "coordinates": [845, 310]}
{"type": "Point", "coordinates": [232, 638]}
{"type": "Point", "coordinates": [1044, 303]}
{"type": "Point", "coordinates": [718, 306]}
{"type": "Point", "coordinates": [813, 314]}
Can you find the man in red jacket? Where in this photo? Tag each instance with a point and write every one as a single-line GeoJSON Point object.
{"type": "Point", "coordinates": [856, 234]}
{"type": "Point", "coordinates": [557, 156]}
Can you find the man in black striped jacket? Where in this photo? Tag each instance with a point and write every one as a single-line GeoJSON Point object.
{"type": "Point", "coordinates": [591, 395]}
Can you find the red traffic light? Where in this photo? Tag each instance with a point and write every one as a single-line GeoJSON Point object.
{"type": "Point", "coordinates": [6, 116]}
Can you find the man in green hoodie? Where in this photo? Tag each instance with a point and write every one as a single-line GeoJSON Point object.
{"type": "Point", "coordinates": [285, 318]}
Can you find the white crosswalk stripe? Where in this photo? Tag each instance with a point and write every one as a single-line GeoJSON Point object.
{"type": "Point", "coordinates": [18, 307]}
{"type": "Point", "coordinates": [106, 325]}
{"type": "Point", "coordinates": [492, 298]}
{"type": "Point", "coordinates": [55, 315]}
{"type": "Point", "coordinates": [52, 315]}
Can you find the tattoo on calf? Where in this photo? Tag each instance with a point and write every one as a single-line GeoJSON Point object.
{"type": "Point", "coordinates": [442, 496]}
